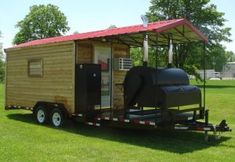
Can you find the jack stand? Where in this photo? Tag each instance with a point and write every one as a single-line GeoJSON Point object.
{"type": "Point", "coordinates": [217, 136]}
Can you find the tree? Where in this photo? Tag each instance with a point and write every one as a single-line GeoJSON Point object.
{"type": "Point", "coordinates": [136, 56]}
{"type": "Point", "coordinates": [230, 56]}
{"type": "Point", "coordinates": [1, 52]}
{"type": "Point", "coordinates": [206, 18]}
{"type": "Point", "coordinates": [76, 32]}
{"type": "Point", "coordinates": [42, 21]}
{"type": "Point", "coordinates": [112, 27]}
{"type": "Point", "coordinates": [2, 63]}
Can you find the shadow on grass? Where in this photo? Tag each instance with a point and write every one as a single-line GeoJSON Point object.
{"type": "Point", "coordinates": [216, 86]}
{"type": "Point", "coordinates": [176, 142]}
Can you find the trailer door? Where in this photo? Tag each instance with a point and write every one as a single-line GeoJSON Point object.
{"type": "Point", "coordinates": [103, 57]}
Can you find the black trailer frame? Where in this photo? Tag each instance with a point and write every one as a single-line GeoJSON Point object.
{"type": "Point", "coordinates": [148, 120]}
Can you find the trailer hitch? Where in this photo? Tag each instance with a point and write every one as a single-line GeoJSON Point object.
{"type": "Point", "coordinates": [223, 127]}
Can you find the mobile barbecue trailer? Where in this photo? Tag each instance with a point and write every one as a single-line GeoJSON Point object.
{"type": "Point", "coordinates": [89, 76]}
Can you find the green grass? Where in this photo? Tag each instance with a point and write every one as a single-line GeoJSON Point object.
{"type": "Point", "coordinates": [21, 139]}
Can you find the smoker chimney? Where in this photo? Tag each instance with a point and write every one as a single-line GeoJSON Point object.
{"type": "Point", "coordinates": [170, 54]}
{"type": "Point", "coordinates": [145, 43]}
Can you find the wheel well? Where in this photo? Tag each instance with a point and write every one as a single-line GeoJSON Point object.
{"type": "Point", "coordinates": [49, 107]}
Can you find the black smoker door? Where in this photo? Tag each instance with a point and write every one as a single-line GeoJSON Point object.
{"type": "Point", "coordinates": [88, 87]}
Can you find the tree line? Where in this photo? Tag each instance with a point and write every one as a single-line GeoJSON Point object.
{"type": "Point", "coordinates": [205, 16]}
{"type": "Point", "coordinates": [45, 21]}
{"type": "Point", "coordinates": [42, 21]}
{"type": "Point", "coordinates": [2, 62]}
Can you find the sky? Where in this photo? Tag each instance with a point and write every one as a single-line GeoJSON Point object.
{"type": "Point", "coordinates": [90, 15]}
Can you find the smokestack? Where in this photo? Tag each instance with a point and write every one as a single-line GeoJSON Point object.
{"type": "Point", "coordinates": [145, 43]}
{"type": "Point", "coordinates": [170, 54]}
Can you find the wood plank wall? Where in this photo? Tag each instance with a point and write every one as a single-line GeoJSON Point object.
{"type": "Point", "coordinates": [119, 76]}
{"type": "Point", "coordinates": [56, 84]}
{"type": "Point", "coordinates": [84, 53]}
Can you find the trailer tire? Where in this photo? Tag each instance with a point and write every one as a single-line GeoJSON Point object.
{"type": "Point", "coordinates": [41, 115]}
{"type": "Point", "coordinates": [57, 117]}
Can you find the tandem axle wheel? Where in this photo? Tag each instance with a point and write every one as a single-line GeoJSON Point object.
{"type": "Point", "coordinates": [47, 112]}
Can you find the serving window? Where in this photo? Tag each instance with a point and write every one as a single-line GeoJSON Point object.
{"type": "Point", "coordinates": [35, 68]}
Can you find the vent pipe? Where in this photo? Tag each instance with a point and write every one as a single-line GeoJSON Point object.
{"type": "Point", "coordinates": [145, 43]}
{"type": "Point", "coordinates": [170, 54]}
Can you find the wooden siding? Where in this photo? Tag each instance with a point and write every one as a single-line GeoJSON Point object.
{"type": "Point", "coordinates": [56, 83]}
{"type": "Point", "coordinates": [84, 53]}
{"type": "Point", "coordinates": [119, 76]}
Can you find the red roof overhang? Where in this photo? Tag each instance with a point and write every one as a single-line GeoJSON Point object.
{"type": "Point", "coordinates": [180, 29]}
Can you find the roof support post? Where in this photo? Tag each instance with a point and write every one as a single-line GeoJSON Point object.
{"type": "Point", "coordinates": [156, 51]}
{"type": "Point", "coordinates": [111, 65]}
{"type": "Point", "coordinates": [204, 75]}
{"type": "Point", "coordinates": [176, 55]}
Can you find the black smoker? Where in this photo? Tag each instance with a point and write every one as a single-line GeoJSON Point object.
{"type": "Point", "coordinates": [160, 88]}
{"type": "Point", "coordinates": [163, 88]}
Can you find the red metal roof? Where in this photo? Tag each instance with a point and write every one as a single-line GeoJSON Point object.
{"type": "Point", "coordinates": [159, 27]}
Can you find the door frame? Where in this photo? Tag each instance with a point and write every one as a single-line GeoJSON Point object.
{"type": "Point", "coordinates": [106, 45]}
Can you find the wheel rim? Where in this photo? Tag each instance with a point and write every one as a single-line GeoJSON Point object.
{"type": "Point", "coordinates": [41, 116]}
{"type": "Point", "coordinates": [56, 119]}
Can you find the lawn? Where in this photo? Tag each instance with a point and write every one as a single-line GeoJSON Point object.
{"type": "Point", "coordinates": [21, 139]}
